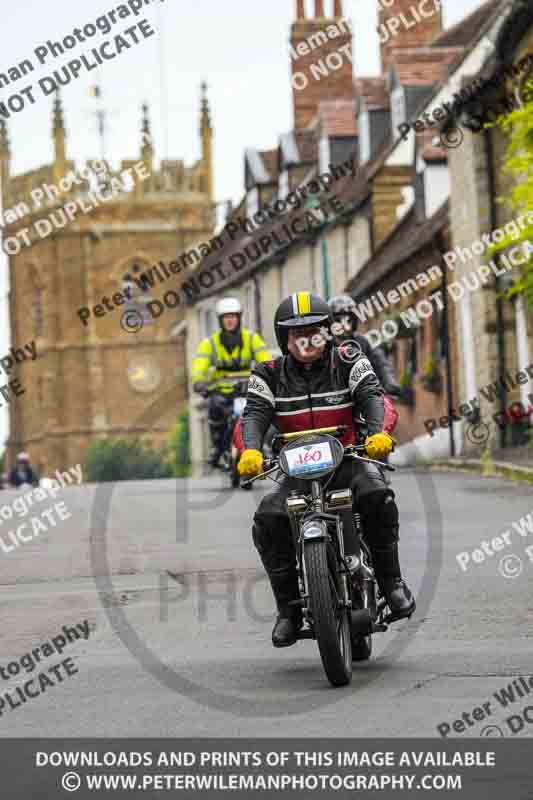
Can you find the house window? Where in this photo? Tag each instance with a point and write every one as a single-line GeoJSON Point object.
{"type": "Point", "coordinates": [249, 306]}
{"type": "Point", "coordinates": [208, 322]}
{"type": "Point", "coordinates": [398, 107]}
{"type": "Point", "coordinates": [439, 331]}
{"type": "Point", "coordinates": [364, 137]}
{"type": "Point", "coordinates": [252, 202]}
{"type": "Point", "coordinates": [412, 356]}
{"type": "Point", "coordinates": [283, 187]}
{"type": "Point", "coordinates": [323, 153]}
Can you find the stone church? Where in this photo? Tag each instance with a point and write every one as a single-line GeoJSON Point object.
{"type": "Point", "coordinates": [98, 379]}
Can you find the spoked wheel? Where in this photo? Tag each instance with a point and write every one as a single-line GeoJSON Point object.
{"type": "Point", "coordinates": [330, 620]}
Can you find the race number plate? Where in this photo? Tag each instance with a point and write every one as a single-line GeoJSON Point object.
{"type": "Point", "coordinates": [309, 458]}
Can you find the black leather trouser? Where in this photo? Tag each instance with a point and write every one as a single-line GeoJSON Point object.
{"type": "Point", "coordinates": [373, 499]}
{"type": "Point", "coordinates": [218, 411]}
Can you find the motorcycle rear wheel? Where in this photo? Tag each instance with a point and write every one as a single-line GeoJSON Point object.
{"type": "Point", "coordinates": [331, 624]}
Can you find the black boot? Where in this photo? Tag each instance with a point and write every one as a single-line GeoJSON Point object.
{"type": "Point", "coordinates": [285, 631]}
{"type": "Point", "coordinates": [285, 588]}
{"type": "Point", "coordinates": [398, 595]}
{"type": "Point", "coordinates": [401, 601]}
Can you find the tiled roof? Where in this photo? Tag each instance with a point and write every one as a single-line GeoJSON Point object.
{"type": "Point", "coordinates": [423, 66]}
{"type": "Point", "coordinates": [462, 33]}
{"type": "Point", "coordinates": [338, 117]}
{"type": "Point", "coordinates": [307, 143]}
{"type": "Point", "coordinates": [343, 189]}
{"type": "Point", "coordinates": [374, 92]}
{"type": "Point", "coordinates": [407, 238]}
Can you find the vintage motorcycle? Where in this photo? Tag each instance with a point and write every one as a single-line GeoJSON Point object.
{"type": "Point", "coordinates": [236, 448]}
{"type": "Point", "coordinates": [229, 456]}
{"type": "Point", "coordinates": [339, 595]}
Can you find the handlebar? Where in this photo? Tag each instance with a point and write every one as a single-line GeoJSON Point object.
{"type": "Point", "coordinates": [238, 391]}
{"type": "Point", "coordinates": [272, 464]}
{"type": "Point", "coordinates": [335, 430]}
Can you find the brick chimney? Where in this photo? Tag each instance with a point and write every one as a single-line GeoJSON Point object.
{"type": "Point", "coordinates": [321, 59]}
{"type": "Point", "coordinates": [401, 25]}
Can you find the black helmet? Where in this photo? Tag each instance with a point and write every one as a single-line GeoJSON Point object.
{"type": "Point", "coordinates": [342, 304]}
{"type": "Point", "coordinates": [297, 311]}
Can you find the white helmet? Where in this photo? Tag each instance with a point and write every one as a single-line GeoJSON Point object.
{"type": "Point", "coordinates": [228, 305]}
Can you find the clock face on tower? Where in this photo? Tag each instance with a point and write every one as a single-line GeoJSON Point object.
{"type": "Point", "coordinates": [144, 375]}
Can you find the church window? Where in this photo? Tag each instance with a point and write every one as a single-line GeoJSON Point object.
{"type": "Point", "coordinates": [139, 293]}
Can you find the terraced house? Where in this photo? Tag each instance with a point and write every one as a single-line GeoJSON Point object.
{"type": "Point", "coordinates": [413, 199]}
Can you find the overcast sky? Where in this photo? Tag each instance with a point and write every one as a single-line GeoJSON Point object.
{"type": "Point", "coordinates": [239, 47]}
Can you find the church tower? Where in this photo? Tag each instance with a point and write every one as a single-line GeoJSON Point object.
{"type": "Point", "coordinates": [96, 379]}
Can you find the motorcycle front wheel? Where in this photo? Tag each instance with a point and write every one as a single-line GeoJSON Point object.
{"type": "Point", "coordinates": [330, 619]}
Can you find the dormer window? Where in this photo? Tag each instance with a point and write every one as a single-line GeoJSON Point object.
{"type": "Point", "coordinates": [364, 137]}
{"type": "Point", "coordinates": [252, 201]}
{"type": "Point", "coordinates": [398, 107]}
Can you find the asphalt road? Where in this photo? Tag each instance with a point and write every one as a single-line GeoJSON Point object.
{"type": "Point", "coordinates": [180, 618]}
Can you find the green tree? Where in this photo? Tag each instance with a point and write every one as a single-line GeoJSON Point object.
{"type": "Point", "coordinates": [112, 459]}
{"type": "Point", "coordinates": [518, 126]}
{"type": "Point", "coordinates": [179, 454]}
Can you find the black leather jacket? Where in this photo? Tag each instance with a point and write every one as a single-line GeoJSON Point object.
{"type": "Point", "coordinates": [295, 397]}
{"type": "Point", "coordinates": [380, 363]}
{"type": "Point", "coordinates": [27, 476]}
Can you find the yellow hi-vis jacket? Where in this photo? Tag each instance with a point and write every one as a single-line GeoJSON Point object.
{"type": "Point", "coordinates": [227, 368]}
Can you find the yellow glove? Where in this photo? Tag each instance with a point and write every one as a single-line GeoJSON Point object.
{"type": "Point", "coordinates": [379, 445]}
{"type": "Point", "coordinates": [250, 463]}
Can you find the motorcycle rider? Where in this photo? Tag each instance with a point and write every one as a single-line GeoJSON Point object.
{"type": "Point", "coordinates": [230, 351]}
{"type": "Point", "coordinates": [312, 386]}
{"type": "Point", "coordinates": [344, 329]}
{"type": "Point", "coordinates": [22, 472]}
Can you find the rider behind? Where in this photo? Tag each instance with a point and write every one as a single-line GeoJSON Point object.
{"type": "Point", "coordinates": [23, 472]}
{"type": "Point", "coordinates": [344, 329]}
{"type": "Point", "coordinates": [228, 354]}
{"type": "Point", "coordinates": [310, 386]}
